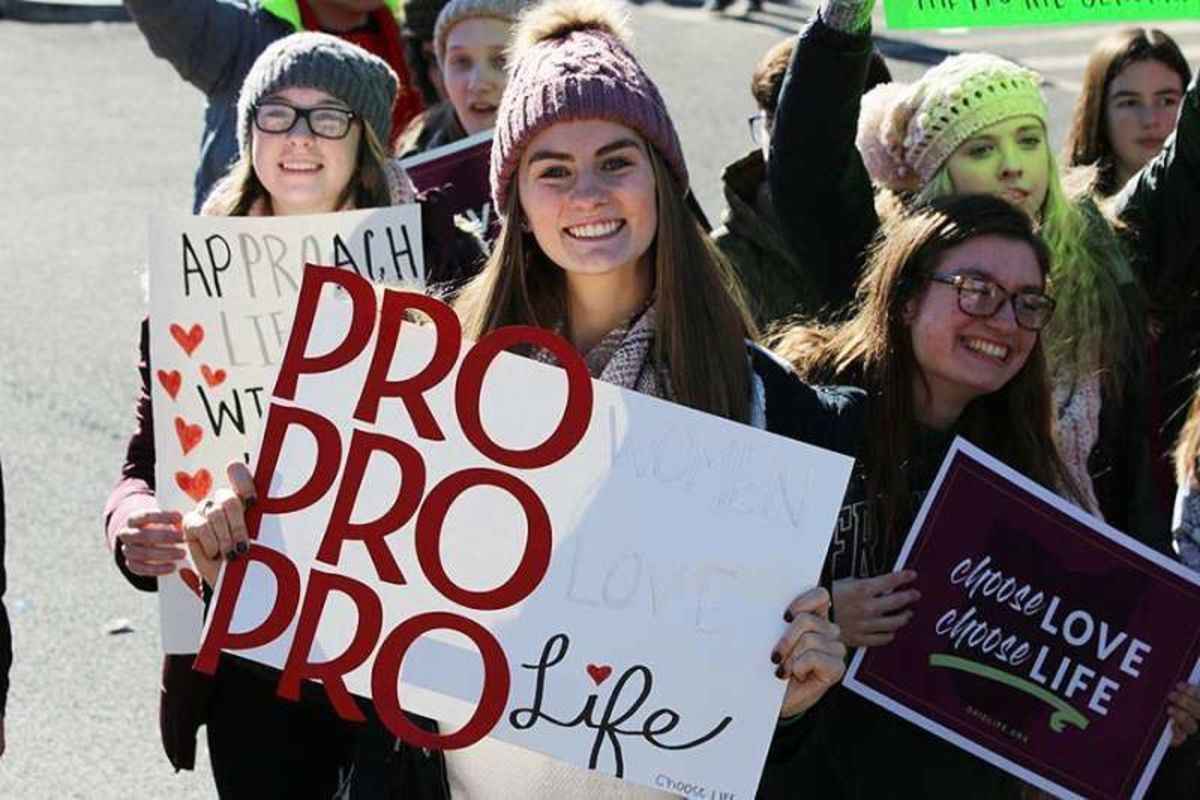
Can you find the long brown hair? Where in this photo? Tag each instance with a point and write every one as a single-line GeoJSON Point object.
{"type": "Point", "coordinates": [1087, 141]}
{"type": "Point", "coordinates": [873, 349]}
{"type": "Point", "coordinates": [1187, 449]}
{"type": "Point", "coordinates": [238, 192]}
{"type": "Point", "coordinates": [701, 320]}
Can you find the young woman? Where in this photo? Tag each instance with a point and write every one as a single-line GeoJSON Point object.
{"type": "Point", "coordinates": [946, 340]}
{"type": "Point", "coordinates": [469, 41]}
{"type": "Point", "coordinates": [1137, 79]}
{"type": "Point", "coordinates": [1133, 85]}
{"type": "Point", "coordinates": [314, 112]}
{"type": "Point", "coordinates": [974, 123]}
{"type": "Point", "coordinates": [599, 245]}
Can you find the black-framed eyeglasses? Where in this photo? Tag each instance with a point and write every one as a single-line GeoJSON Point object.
{"type": "Point", "coordinates": [328, 122]}
{"type": "Point", "coordinates": [981, 297]}
{"type": "Point", "coordinates": [758, 127]}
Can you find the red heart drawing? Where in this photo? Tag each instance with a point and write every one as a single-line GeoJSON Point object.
{"type": "Point", "coordinates": [196, 485]}
{"type": "Point", "coordinates": [170, 381]}
{"type": "Point", "coordinates": [190, 339]}
{"type": "Point", "coordinates": [213, 377]}
{"type": "Point", "coordinates": [599, 674]}
{"type": "Point", "coordinates": [192, 580]}
{"type": "Point", "coordinates": [189, 435]}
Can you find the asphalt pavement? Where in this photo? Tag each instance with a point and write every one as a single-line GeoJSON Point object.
{"type": "Point", "coordinates": [97, 134]}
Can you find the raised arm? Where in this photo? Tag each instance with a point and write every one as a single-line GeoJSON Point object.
{"type": "Point", "coordinates": [202, 39]}
{"type": "Point", "coordinates": [819, 186]}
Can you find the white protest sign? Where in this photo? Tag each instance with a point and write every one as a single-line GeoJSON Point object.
{"type": "Point", "coordinates": [222, 294]}
{"type": "Point", "coordinates": [518, 551]}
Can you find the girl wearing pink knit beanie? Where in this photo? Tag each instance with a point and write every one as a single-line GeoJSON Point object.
{"type": "Point", "coordinates": [598, 244]}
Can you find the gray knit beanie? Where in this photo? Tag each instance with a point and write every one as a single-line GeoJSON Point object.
{"type": "Point", "coordinates": [319, 61]}
{"type": "Point", "coordinates": [456, 11]}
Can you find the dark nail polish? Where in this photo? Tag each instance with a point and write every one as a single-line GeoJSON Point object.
{"type": "Point", "coordinates": [231, 555]}
{"type": "Point", "coordinates": [779, 673]}
{"type": "Point", "coordinates": [242, 548]}
{"type": "Point", "coordinates": [776, 657]}
{"type": "Point", "coordinates": [788, 616]}
{"type": "Point", "coordinates": [249, 502]}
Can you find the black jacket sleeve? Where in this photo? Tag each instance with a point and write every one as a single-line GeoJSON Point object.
{"type": "Point", "coordinates": [202, 39]}
{"type": "Point", "coordinates": [819, 185]}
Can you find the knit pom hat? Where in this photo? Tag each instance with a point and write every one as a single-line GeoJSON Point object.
{"type": "Point", "coordinates": [319, 61]}
{"type": "Point", "coordinates": [456, 11]}
{"type": "Point", "coordinates": [907, 131]}
{"type": "Point", "coordinates": [570, 60]}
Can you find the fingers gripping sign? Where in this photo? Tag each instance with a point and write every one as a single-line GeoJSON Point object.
{"type": "Point", "coordinates": [869, 611]}
{"type": "Point", "coordinates": [1183, 707]}
{"type": "Point", "coordinates": [216, 530]}
{"type": "Point", "coordinates": [810, 654]}
{"type": "Point", "coordinates": [152, 543]}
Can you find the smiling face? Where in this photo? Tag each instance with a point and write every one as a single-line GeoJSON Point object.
{"type": "Point", "coordinates": [304, 173]}
{"type": "Point", "coordinates": [587, 189]}
{"type": "Point", "coordinates": [473, 72]}
{"type": "Point", "coordinates": [1009, 160]}
{"type": "Point", "coordinates": [1141, 109]}
{"type": "Point", "coordinates": [963, 357]}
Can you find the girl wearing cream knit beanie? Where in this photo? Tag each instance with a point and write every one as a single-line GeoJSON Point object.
{"type": "Point", "coordinates": [976, 123]}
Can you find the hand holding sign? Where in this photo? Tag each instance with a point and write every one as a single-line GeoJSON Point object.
{"type": "Point", "coordinates": [217, 528]}
{"type": "Point", "coordinates": [1184, 710]}
{"type": "Point", "coordinates": [151, 542]}
{"type": "Point", "coordinates": [809, 654]}
{"type": "Point", "coordinates": [871, 610]}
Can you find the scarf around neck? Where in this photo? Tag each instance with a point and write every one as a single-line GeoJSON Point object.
{"type": "Point", "coordinates": [623, 356]}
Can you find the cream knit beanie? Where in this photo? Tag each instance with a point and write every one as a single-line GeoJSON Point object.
{"type": "Point", "coordinates": [907, 131]}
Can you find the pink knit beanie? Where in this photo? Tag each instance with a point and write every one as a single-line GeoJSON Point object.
{"type": "Point", "coordinates": [907, 131]}
{"type": "Point", "coordinates": [570, 61]}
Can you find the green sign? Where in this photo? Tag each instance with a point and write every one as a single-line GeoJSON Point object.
{"type": "Point", "coordinates": [997, 13]}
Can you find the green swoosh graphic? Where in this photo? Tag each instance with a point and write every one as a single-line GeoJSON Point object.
{"type": "Point", "coordinates": [1065, 713]}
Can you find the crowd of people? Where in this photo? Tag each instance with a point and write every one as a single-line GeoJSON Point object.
{"type": "Point", "coordinates": [899, 264]}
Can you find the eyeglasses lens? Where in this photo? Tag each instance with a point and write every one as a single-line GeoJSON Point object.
{"type": "Point", "coordinates": [328, 123]}
{"type": "Point", "coordinates": [982, 298]}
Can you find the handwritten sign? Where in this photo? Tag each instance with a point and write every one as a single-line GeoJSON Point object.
{"type": "Point", "coordinates": [911, 14]}
{"type": "Point", "coordinates": [460, 169]}
{"type": "Point", "coordinates": [518, 551]}
{"type": "Point", "coordinates": [222, 294]}
{"type": "Point", "coordinates": [1045, 641]}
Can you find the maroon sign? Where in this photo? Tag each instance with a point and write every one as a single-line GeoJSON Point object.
{"type": "Point", "coordinates": [460, 169]}
{"type": "Point", "coordinates": [1045, 641]}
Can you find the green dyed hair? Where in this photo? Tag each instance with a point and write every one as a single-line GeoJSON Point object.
{"type": "Point", "coordinates": [1098, 321]}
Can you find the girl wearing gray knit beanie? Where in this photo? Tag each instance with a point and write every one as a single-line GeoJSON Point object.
{"type": "Point", "coordinates": [313, 114]}
{"type": "Point", "coordinates": [598, 244]}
